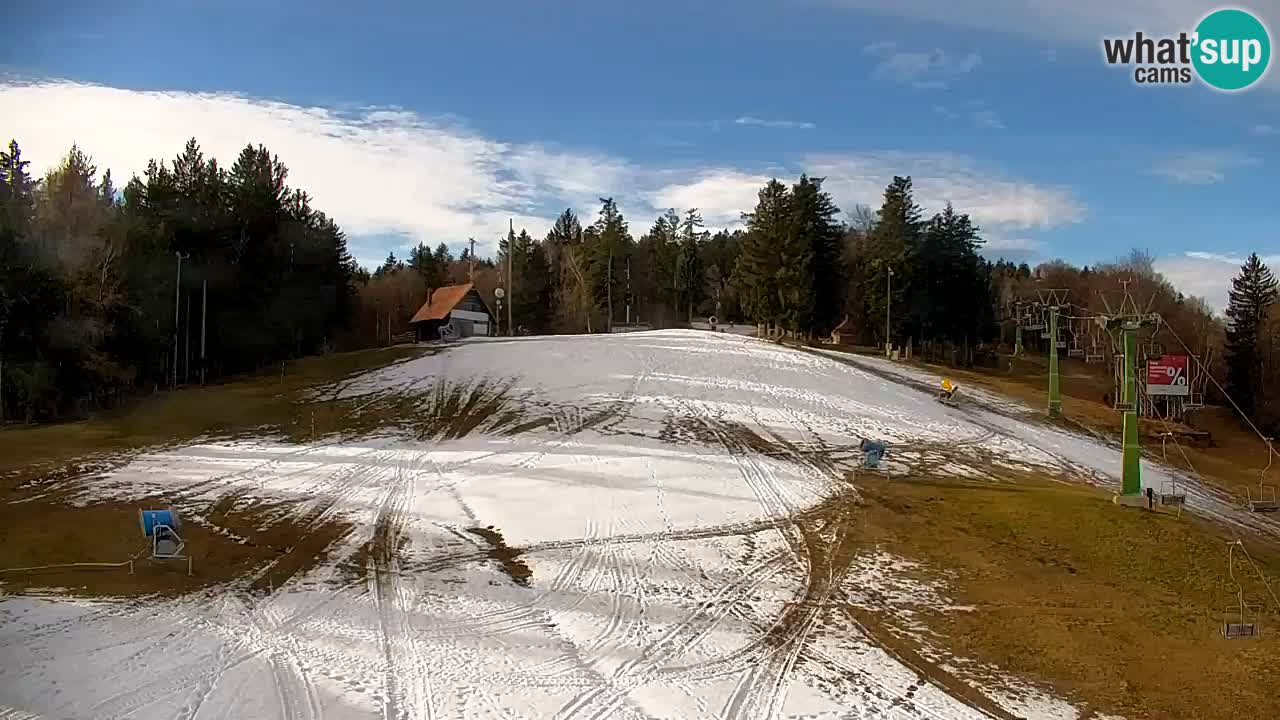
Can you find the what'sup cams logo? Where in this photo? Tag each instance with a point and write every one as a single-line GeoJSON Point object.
{"type": "Point", "coordinates": [1229, 50]}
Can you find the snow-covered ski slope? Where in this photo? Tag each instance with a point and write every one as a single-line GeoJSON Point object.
{"type": "Point", "coordinates": [668, 493]}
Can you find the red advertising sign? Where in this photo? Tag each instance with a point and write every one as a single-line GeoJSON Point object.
{"type": "Point", "coordinates": [1167, 375]}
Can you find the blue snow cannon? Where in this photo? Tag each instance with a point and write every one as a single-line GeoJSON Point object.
{"type": "Point", "coordinates": [872, 452]}
{"type": "Point", "coordinates": [151, 519]}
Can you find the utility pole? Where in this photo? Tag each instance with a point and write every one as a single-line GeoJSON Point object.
{"type": "Point", "coordinates": [177, 306]}
{"type": "Point", "coordinates": [204, 314]}
{"type": "Point", "coordinates": [2, 322]}
{"type": "Point", "coordinates": [628, 289]}
{"type": "Point", "coordinates": [608, 291]}
{"type": "Point", "coordinates": [888, 303]}
{"type": "Point", "coordinates": [186, 368]}
{"type": "Point", "coordinates": [471, 269]}
{"type": "Point", "coordinates": [511, 280]}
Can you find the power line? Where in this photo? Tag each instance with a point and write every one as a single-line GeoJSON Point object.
{"type": "Point", "coordinates": [1182, 451]}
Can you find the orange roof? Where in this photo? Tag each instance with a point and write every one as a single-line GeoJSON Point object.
{"type": "Point", "coordinates": [442, 302]}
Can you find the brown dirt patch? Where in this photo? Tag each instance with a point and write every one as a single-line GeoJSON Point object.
{"type": "Point", "coordinates": [227, 546]}
{"type": "Point", "coordinates": [508, 558]}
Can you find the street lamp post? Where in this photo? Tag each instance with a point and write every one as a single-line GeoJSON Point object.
{"type": "Point", "coordinates": [888, 303]}
{"type": "Point", "coordinates": [177, 305]}
{"type": "Point", "coordinates": [498, 294]}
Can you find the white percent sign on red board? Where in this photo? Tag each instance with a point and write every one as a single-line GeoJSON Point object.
{"type": "Point", "coordinates": [1176, 374]}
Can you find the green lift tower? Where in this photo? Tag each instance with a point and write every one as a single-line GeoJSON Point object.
{"type": "Point", "coordinates": [1131, 469]}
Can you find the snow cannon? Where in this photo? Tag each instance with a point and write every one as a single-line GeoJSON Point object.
{"type": "Point", "coordinates": [153, 519]}
{"type": "Point", "coordinates": [161, 526]}
{"type": "Point", "coordinates": [872, 452]}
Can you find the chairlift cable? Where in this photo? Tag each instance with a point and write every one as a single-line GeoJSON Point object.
{"type": "Point", "coordinates": [1263, 578]}
{"type": "Point", "coordinates": [1256, 569]}
{"type": "Point", "coordinates": [1208, 374]}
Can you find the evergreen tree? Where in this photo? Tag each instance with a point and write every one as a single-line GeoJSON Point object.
{"type": "Point", "coordinates": [761, 262]}
{"type": "Point", "coordinates": [609, 243]}
{"type": "Point", "coordinates": [815, 246]}
{"type": "Point", "coordinates": [894, 244]}
{"type": "Point", "coordinates": [689, 271]}
{"type": "Point", "coordinates": [430, 266]}
{"type": "Point", "coordinates": [443, 259]}
{"type": "Point", "coordinates": [1252, 293]}
{"type": "Point", "coordinates": [532, 308]}
{"type": "Point", "coordinates": [952, 289]}
{"type": "Point", "coordinates": [390, 265]}
{"type": "Point", "coordinates": [719, 257]}
{"type": "Point", "coordinates": [569, 265]}
{"type": "Point", "coordinates": [88, 273]}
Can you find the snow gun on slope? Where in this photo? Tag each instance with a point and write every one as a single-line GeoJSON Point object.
{"type": "Point", "coordinates": [873, 452]}
{"type": "Point", "coordinates": [947, 396]}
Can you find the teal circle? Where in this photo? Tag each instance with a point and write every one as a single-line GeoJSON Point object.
{"type": "Point", "coordinates": [1235, 35]}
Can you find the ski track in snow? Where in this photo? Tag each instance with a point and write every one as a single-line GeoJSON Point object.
{"type": "Point", "coordinates": [660, 568]}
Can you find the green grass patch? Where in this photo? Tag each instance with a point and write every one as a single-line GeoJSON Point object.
{"type": "Point", "coordinates": [268, 400]}
{"type": "Point", "coordinates": [1120, 608]}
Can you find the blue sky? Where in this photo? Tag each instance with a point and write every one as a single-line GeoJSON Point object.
{"type": "Point", "coordinates": [437, 122]}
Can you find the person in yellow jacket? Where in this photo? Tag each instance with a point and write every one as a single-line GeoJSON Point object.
{"type": "Point", "coordinates": [949, 389]}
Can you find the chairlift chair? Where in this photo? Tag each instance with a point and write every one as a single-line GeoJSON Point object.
{"type": "Point", "coordinates": [1172, 495]}
{"type": "Point", "coordinates": [1240, 619]}
{"type": "Point", "coordinates": [1265, 500]}
{"type": "Point", "coordinates": [1094, 355]}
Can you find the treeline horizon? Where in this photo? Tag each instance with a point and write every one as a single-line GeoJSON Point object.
{"type": "Point", "coordinates": [90, 305]}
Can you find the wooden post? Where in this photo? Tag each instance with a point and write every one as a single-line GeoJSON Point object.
{"type": "Point", "coordinates": [511, 281]}
{"type": "Point", "coordinates": [204, 314]}
{"type": "Point", "coordinates": [177, 305]}
{"type": "Point", "coordinates": [2, 372]}
{"type": "Point", "coordinates": [186, 368]}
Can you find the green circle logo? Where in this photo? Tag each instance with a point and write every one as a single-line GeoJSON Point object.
{"type": "Point", "coordinates": [1232, 49]}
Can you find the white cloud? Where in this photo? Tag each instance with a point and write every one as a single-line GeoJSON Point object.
{"type": "Point", "coordinates": [1201, 167]}
{"type": "Point", "coordinates": [377, 171]}
{"type": "Point", "coordinates": [1081, 23]}
{"type": "Point", "coordinates": [721, 196]}
{"type": "Point", "coordinates": [993, 200]}
{"type": "Point", "coordinates": [977, 113]}
{"type": "Point", "coordinates": [1014, 248]}
{"type": "Point", "coordinates": [1006, 242]}
{"type": "Point", "coordinates": [987, 119]}
{"type": "Point", "coordinates": [1206, 274]}
{"type": "Point", "coordinates": [782, 124]}
{"type": "Point", "coordinates": [388, 173]}
{"type": "Point", "coordinates": [925, 70]}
